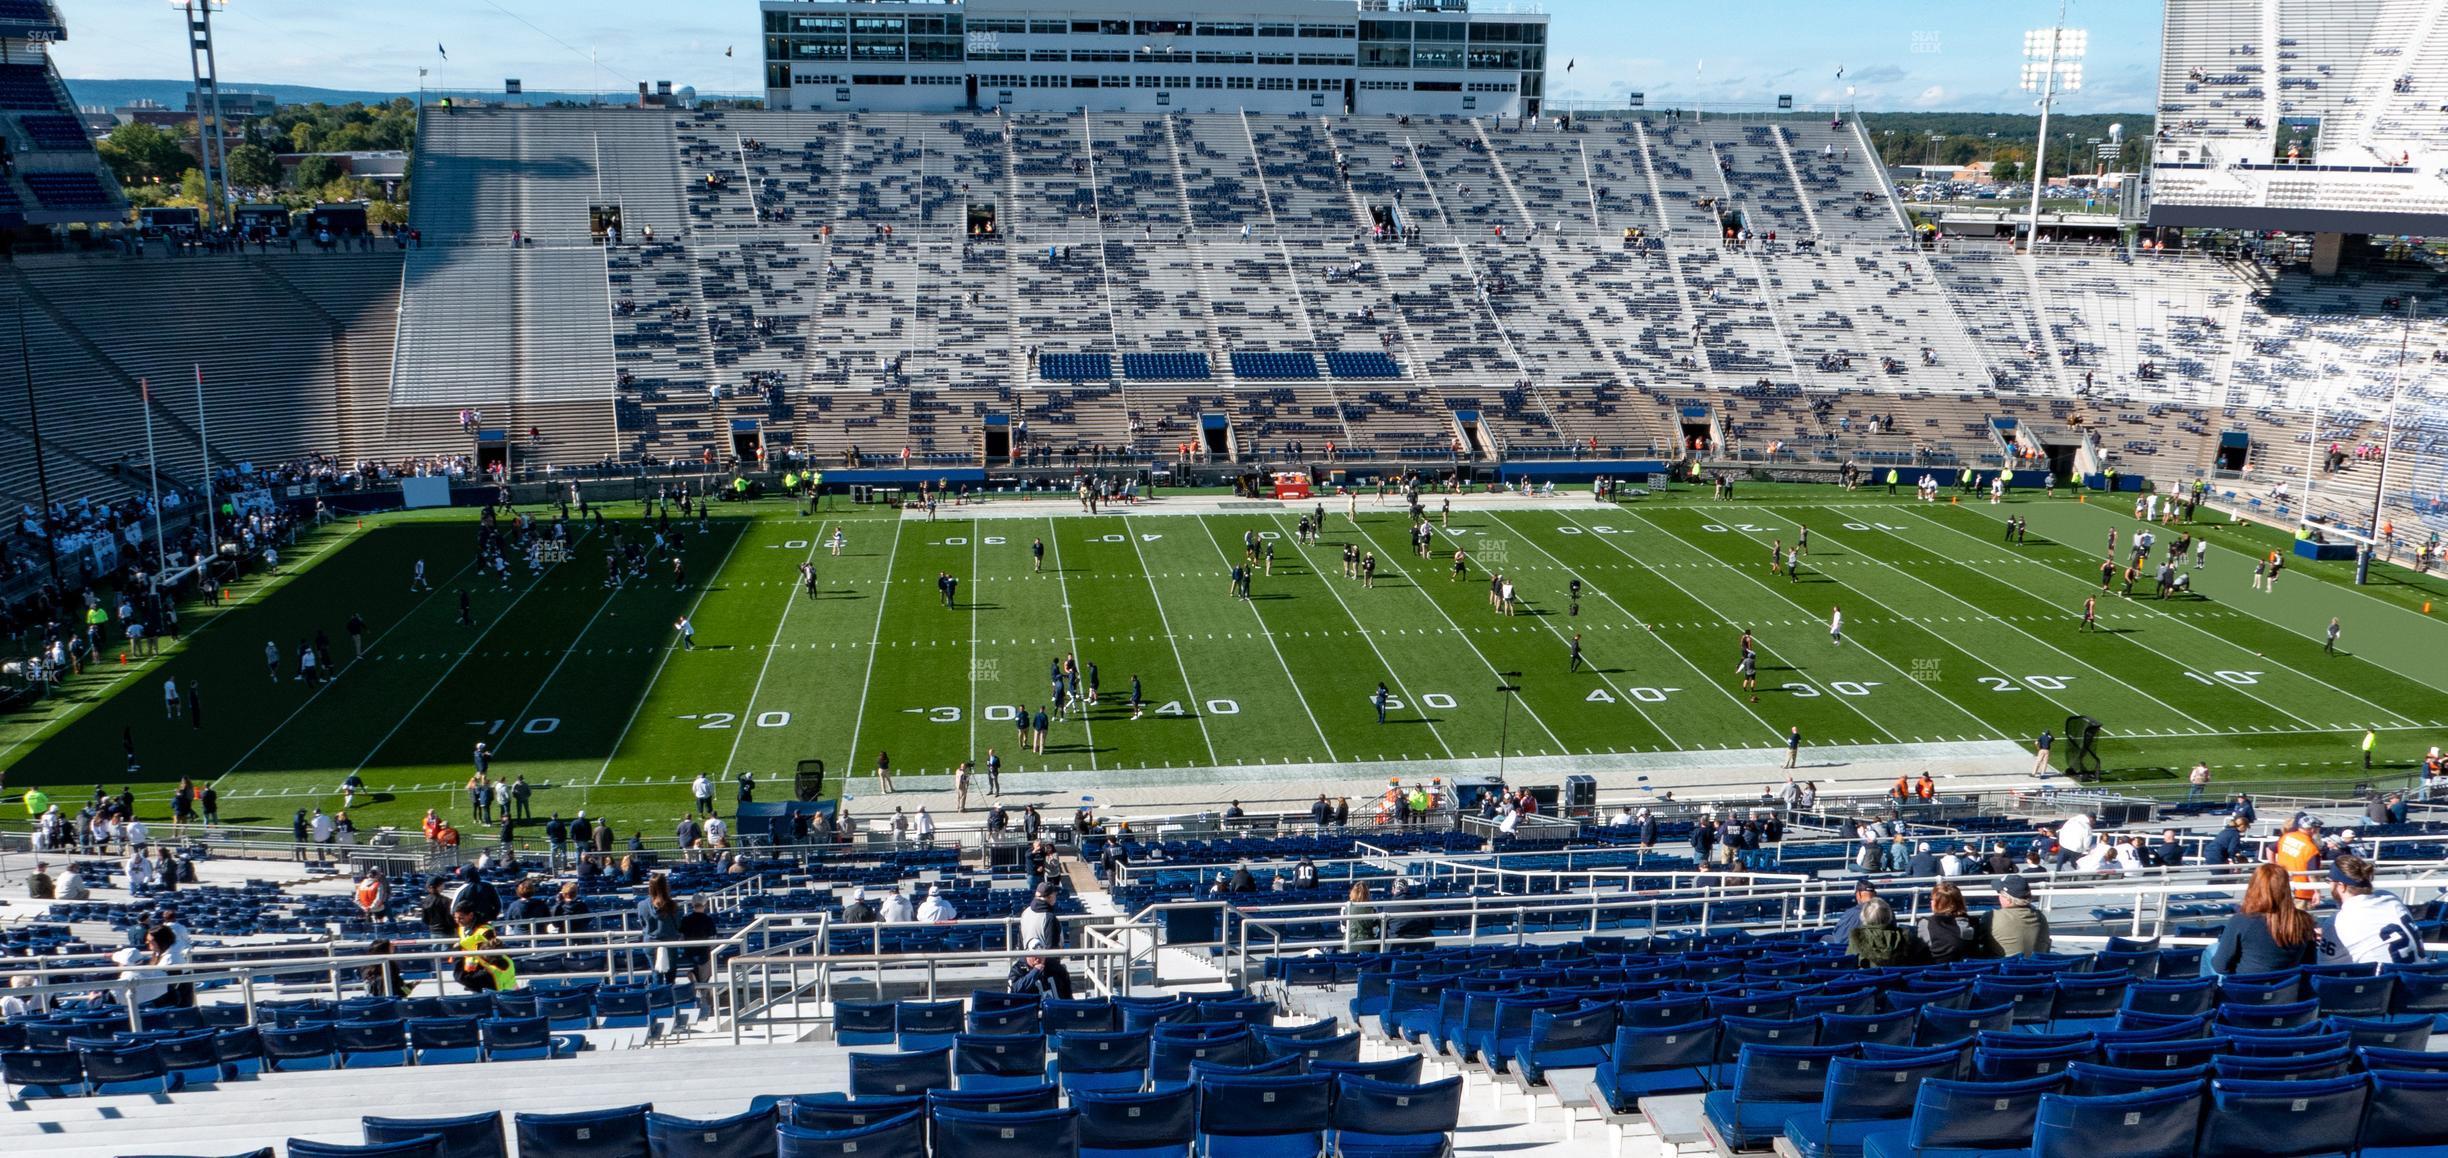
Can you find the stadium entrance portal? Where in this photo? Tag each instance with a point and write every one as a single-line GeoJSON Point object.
{"type": "Point", "coordinates": [1699, 430]}
{"type": "Point", "coordinates": [997, 438]}
{"type": "Point", "coordinates": [1215, 434]}
{"type": "Point", "coordinates": [2233, 448]}
{"type": "Point", "coordinates": [982, 221]}
{"type": "Point", "coordinates": [1472, 435]}
{"type": "Point", "coordinates": [748, 441]}
{"type": "Point", "coordinates": [602, 220]}
{"type": "Point", "coordinates": [493, 453]}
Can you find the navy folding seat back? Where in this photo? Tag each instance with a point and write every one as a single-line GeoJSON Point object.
{"type": "Point", "coordinates": [1170, 1058]}
{"type": "Point", "coordinates": [1765, 1006]}
{"type": "Point", "coordinates": [1649, 1060]}
{"type": "Point", "coordinates": [1574, 1038]}
{"type": "Point", "coordinates": [1146, 1016]}
{"type": "Point", "coordinates": [469, 1136]}
{"type": "Point", "coordinates": [1275, 1067]}
{"type": "Point", "coordinates": [1403, 1069]}
{"type": "Point", "coordinates": [2142, 964]}
{"type": "Point", "coordinates": [998, 1000]}
{"type": "Point", "coordinates": [372, 1044]}
{"type": "Point", "coordinates": [2170, 1029]}
{"type": "Point", "coordinates": [2163, 1055]}
{"type": "Point", "coordinates": [2283, 1042]}
{"type": "Point", "coordinates": [1369, 996]}
{"type": "Point", "coordinates": [445, 1040]}
{"type": "Point", "coordinates": [468, 1004]}
{"type": "Point", "coordinates": [371, 1009]}
{"type": "Point", "coordinates": [519, 1003]}
{"type": "Point", "coordinates": [1253, 1012]}
{"type": "Point", "coordinates": [1959, 1119]}
{"type": "Point", "coordinates": [1999, 1064]}
{"type": "Point", "coordinates": [1323, 1027]}
{"type": "Point", "coordinates": [900, 1073]}
{"type": "Point", "coordinates": [1089, 1015]}
{"type": "Point", "coordinates": [2088, 1001]}
{"type": "Point", "coordinates": [2423, 991]}
{"type": "Point", "coordinates": [1020, 1021]}
{"type": "Point", "coordinates": [309, 1047]}
{"type": "Point", "coordinates": [921, 1025]}
{"type": "Point", "coordinates": [2269, 1015]}
{"type": "Point", "coordinates": [1670, 1009]}
{"type": "Point", "coordinates": [1101, 1061]}
{"type": "Point", "coordinates": [421, 1146]}
{"type": "Point", "coordinates": [2179, 997]}
{"type": "Point", "coordinates": [1464, 1017]}
{"type": "Point", "coordinates": [2402, 1060]}
{"type": "Point", "coordinates": [1008, 1100]}
{"type": "Point", "coordinates": [1048, 1133]}
{"type": "Point", "coordinates": [827, 1112]}
{"type": "Point", "coordinates": [2406, 1117]}
{"type": "Point", "coordinates": [2359, 994]}
{"type": "Point", "coordinates": [1863, 1096]}
{"type": "Point", "coordinates": [1857, 1028]}
{"type": "Point", "coordinates": [1341, 1047]}
{"type": "Point", "coordinates": [2091, 1079]}
{"type": "Point", "coordinates": [191, 1058]}
{"type": "Point", "coordinates": [1374, 1119]}
{"type": "Point", "coordinates": [1736, 1032]}
{"type": "Point", "coordinates": [2282, 988]}
{"type": "Point", "coordinates": [749, 1134]}
{"type": "Point", "coordinates": [2409, 1032]}
{"type": "Point", "coordinates": [240, 1050]}
{"type": "Point", "coordinates": [2328, 1063]}
{"type": "Point", "coordinates": [864, 1022]}
{"type": "Point", "coordinates": [1131, 1124]}
{"type": "Point", "coordinates": [1852, 1003]}
{"type": "Point", "coordinates": [1263, 1117]}
{"type": "Point", "coordinates": [43, 1073]}
{"type": "Point", "coordinates": [566, 1009]}
{"type": "Point", "coordinates": [1515, 1017]}
{"type": "Point", "coordinates": [2283, 1119]}
{"type": "Point", "coordinates": [1411, 1006]}
{"type": "Point", "coordinates": [2034, 998]}
{"type": "Point", "coordinates": [901, 1136]}
{"type": "Point", "coordinates": [624, 1007]}
{"type": "Point", "coordinates": [614, 1133]}
{"type": "Point", "coordinates": [2155, 1123]}
{"type": "Point", "coordinates": [226, 1016]}
{"type": "Point", "coordinates": [990, 1061]}
{"type": "Point", "coordinates": [515, 1038]}
{"type": "Point", "coordinates": [127, 1069]}
{"type": "Point", "coordinates": [1940, 1025]}
{"type": "Point", "coordinates": [1768, 1084]}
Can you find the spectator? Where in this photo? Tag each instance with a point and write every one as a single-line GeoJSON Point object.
{"type": "Point", "coordinates": [897, 908]}
{"type": "Point", "coordinates": [571, 909]}
{"type": "Point", "coordinates": [2268, 933]}
{"type": "Point", "coordinates": [1949, 930]}
{"type": "Point", "coordinates": [381, 973]}
{"type": "Point", "coordinates": [935, 910]}
{"type": "Point", "coordinates": [1407, 929]}
{"type": "Point", "coordinates": [2016, 929]}
{"type": "Point", "coordinates": [1043, 976]}
{"type": "Point", "coordinates": [481, 968]}
{"type": "Point", "coordinates": [697, 961]}
{"type": "Point", "coordinates": [2371, 927]}
{"type": "Point", "coordinates": [373, 895]}
{"type": "Point", "coordinates": [1876, 942]}
{"type": "Point", "coordinates": [856, 910]}
{"type": "Point", "coordinates": [659, 924]}
{"type": "Point", "coordinates": [40, 886]}
{"type": "Point", "coordinates": [1923, 863]}
{"type": "Point", "coordinates": [2228, 846]}
{"type": "Point", "coordinates": [1361, 924]}
{"type": "Point", "coordinates": [1842, 934]}
{"type": "Point", "coordinates": [1040, 928]}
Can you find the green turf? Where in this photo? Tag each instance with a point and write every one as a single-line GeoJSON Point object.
{"type": "Point", "coordinates": [1950, 634]}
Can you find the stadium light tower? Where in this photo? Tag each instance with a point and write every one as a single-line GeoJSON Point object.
{"type": "Point", "coordinates": [198, 14]}
{"type": "Point", "coordinates": [2052, 60]}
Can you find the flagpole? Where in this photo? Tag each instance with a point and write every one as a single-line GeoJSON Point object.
{"type": "Point", "coordinates": [42, 472]}
{"type": "Point", "coordinates": [212, 530]}
{"type": "Point", "coordinates": [161, 551]}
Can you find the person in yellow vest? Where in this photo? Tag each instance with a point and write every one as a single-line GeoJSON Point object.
{"type": "Point", "coordinates": [2370, 738]}
{"type": "Point", "coordinates": [1891, 482]}
{"type": "Point", "coordinates": [37, 802]}
{"type": "Point", "coordinates": [480, 971]}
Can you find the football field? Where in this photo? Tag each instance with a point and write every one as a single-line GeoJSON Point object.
{"type": "Point", "coordinates": [1949, 634]}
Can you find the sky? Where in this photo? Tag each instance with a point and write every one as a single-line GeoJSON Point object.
{"type": "Point", "coordinates": [1912, 55]}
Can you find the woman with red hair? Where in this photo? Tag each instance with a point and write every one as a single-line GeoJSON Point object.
{"type": "Point", "coordinates": [2269, 933]}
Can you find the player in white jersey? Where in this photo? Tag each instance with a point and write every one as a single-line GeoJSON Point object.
{"type": "Point", "coordinates": [1836, 625]}
{"type": "Point", "coordinates": [2370, 927]}
{"type": "Point", "coordinates": [416, 581]}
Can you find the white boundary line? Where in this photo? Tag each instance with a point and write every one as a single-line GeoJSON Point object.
{"type": "Point", "coordinates": [646, 691]}
{"type": "Point", "coordinates": [1208, 529]}
{"type": "Point", "coordinates": [790, 600]}
{"type": "Point", "coordinates": [1164, 621]}
{"type": "Point", "coordinates": [883, 592]}
{"type": "Point", "coordinates": [1370, 638]}
{"type": "Point", "coordinates": [1087, 721]}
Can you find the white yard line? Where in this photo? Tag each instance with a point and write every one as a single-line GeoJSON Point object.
{"type": "Point", "coordinates": [1166, 622]}
{"type": "Point", "coordinates": [1371, 638]}
{"type": "Point", "coordinates": [1290, 680]}
{"type": "Point", "coordinates": [646, 692]}
{"type": "Point", "coordinates": [300, 710]}
{"type": "Point", "coordinates": [1054, 547]}
{"type": "Point", "coordinates": [883, 591]}
{"type": "Point", "coordinates": [790, 599]}
{"type": "Point", "coordinates": [2386, 713]}
{"type": "Point", "coordinates": [978, 581]}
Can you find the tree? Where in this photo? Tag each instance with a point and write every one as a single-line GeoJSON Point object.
{"type": "Point", "coordinates": [191, 188]}
{"type": "Point", "coordinates": [253, 166]}
{"type": "Point", "coordinates": [2006, 172]}
{"type": "Point", "coordinates": [302, 137]}
{"type": "Point", "coordinates": [313, 172]}
{"type": "Point", "coordinates": [138, 153]}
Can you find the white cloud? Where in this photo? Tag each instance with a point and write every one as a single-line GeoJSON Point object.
{"type": "Point", "coordinates": [1931, 96]}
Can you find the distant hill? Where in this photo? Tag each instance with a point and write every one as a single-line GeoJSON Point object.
{"type": "Point", "coordinates": [111, 94]}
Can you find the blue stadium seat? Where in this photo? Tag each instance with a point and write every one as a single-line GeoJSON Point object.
{"type": "Point", "coordinates": [2402, 1060]}
{"type": "Point", "coordinates": [749, 1134]}
{"type": "Point", "coordinates": [2163, 1055]}
{"type": "Point", "coordinates": [864, 1022]}
{"type": "Point", "coordinates": [1766, 1085]}
{"type": "Point", "coordinates": [2411, 1032]}
{"type": "Point", "coordinates": [1574, 1038]}
{"type": "Point", "coordinates": [240, 1051]}
{"type": "Point", "coordinates": [2284, 1119]}
{"type": "Point", "coordinates": [1281, 1067]}
{"type": "Point", "coordinates": [1090, 1015]}
{"type": "Point", "coordinates": [1150, 1014]}
{"type": "Point", "coordinates": [1736, 1032]}
{"type": "Point", "coordinates": [191, 1058]}
{"type": "Point", "coordinates": [127, 1069]}
{"type": "Point", "coordinates": [2406, 1116]}
{"type": "Point", "coordinates": [903, 1136]}
{"type": "Point", "coordinates": [1651, 1060]}
{"type": "Point", "coordinates": [372, 1044]}
{"type": "Point", "coordinates": [2352, 992]}
{"type": "Point", "coordinates": [2328, 1063]}
{"type": "Point", "coordinates": [1310, 1051]}
{"type": "Point", "coordinates": [1020, 1021]}
{"type": "Point", "coordinates": [471, 1136]}
{"type": "Point", "coordinates": [2157, 1123]}
{"type": "Point", "coordinates": [2282, 988]}
{"type": "Point", "coordinates": [1263, 1117]}
{"type": "Point", "coordinates": [1403, 1069]}
{"type": "Point", "coordinates": [1170, 1058]}
{"type": "Point", "coordinates": [2088, 1001]}
{"type": "Point", "coordinates": [566, 1009]}
{"type": "Point", "coordinates": [996, 1061]}
{"type": "Point", "coordinates": [1960, 1119]}
{"type": "Point", "coordinates": [2424, 991]}
{"type": "Point", "coordinates": [1101, 1061]}
{"type": "Point", "coordinates": [2283, 1042]}
{"type": "Point", "coordinates": [1510, 1028]}
{"type": "Point", "coordinates": [2000, 1064]}
{"type": "Point", "coordinates": [1863, 1096]}
{"type": "Point", "coordinates": [1053, 1133]}
{"type": "Point", "coordinates": [619, 1132]}
{"type": "Point", "coordinates": [515, 1038]}
{"type": "Point", "coordinates": [1858, 1028]}
{"type": "Point", "coordinates": [922, 1025]}
{"type": "Point", "coordinates": [1375, 1119]}
{"type": "Point", "coordinates": [423, 1146]}
{"type": "Point", "coordinates": [2270, 1015]}
{"type": "Point", "coordinates": [900, 1073]}
{"type": "Point", "coordinates": [1006, 1100]}
{"type": "Point", "coordinates": [1131, 1124]}
{"type": "Point", "coordinates": [1940, 1025]}
{"type": "Point", "coordinates": [2181, 997]}
{"type": "Point", "coordinates": [2091, 1079]}
{"type": "Point", "coordinates": [624, 1007]}
{"type": "Point", "coordinates": [309, 1047]}
{"type": "Point", "coordinates": [445, 1040]}
{"type": "Point", "coordinates": [828, 1112]}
